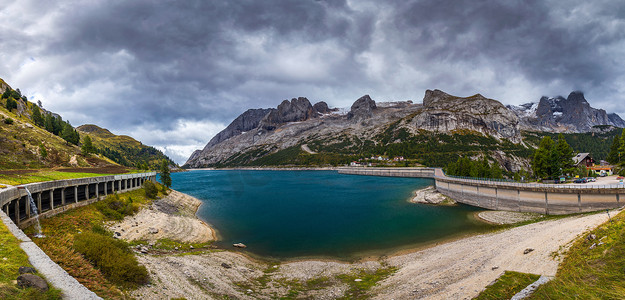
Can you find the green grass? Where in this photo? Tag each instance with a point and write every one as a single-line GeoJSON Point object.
{"type": "Point", "coordinates": [507, 285]}
{"type": "Point", "coordinates": [597, 273]}
{"type": "Point", "coordinates": [359, 289]}
{"type": "Point", "coordinates": [11, 258]}
{"type": "Point", "coordinates": [60, 232]}
{"type": "Point", "coordinates": [43, 175]}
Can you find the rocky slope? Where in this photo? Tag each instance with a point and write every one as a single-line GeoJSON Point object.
{"type": "Point", "coordinates": [368, 129]}
{"type": "Point", "coordinates": [559, 114]}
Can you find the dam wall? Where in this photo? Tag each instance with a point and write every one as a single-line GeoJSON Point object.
{"type": "Point", "coordinates": [551, 199]}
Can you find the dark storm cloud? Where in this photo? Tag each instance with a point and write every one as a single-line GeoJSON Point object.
{"type": "Point", "coordinates": [173, 73]}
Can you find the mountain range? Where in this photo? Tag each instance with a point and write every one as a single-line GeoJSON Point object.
{"type": "Point", "coordinates": [435, 131]}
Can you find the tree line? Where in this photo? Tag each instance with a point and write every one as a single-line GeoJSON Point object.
{"type": "Point", "coordinates": [45, 120]}
{"type": "Point", "coordinates": [617, 152]}
{"type": "Point", "coordinates": [553, 159]}
{"type": "Point", "coordinates": [467, 167]}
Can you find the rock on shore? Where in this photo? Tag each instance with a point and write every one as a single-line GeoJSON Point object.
{"type": "Point", "coordinates": [430, 195]}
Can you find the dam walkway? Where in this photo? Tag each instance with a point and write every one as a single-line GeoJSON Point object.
{"type": "Point", "coordinates": [550, 199]}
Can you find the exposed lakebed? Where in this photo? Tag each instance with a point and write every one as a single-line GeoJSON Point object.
{"type": "Point", "coordinates": [296, 214]}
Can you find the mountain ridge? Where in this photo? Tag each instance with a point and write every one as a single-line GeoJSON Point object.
{"type": "Point", "coordinates": [440, 115]}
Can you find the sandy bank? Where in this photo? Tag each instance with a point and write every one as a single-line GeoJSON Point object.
{"type": "Point", "coordinates": [454, 270]}
{"type": "Point", "coordinates": [172, 217]}
{"type": "Point", "coordinates": [506, 217]}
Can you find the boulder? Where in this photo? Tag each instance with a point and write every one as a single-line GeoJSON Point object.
{"type": "Point", "coordinates": [152, 230]}
{"type": "Point", "coordinates": [31, 280]}
{"type": "Point", "coordinates": [239, 245]}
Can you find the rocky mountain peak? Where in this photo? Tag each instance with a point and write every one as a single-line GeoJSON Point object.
{"type": "Point", "coordinates": [296, 110]}
{"type": "Point", "coordinates": [362, 108]}
{"type": "Point", "coordinates": [321, 107]}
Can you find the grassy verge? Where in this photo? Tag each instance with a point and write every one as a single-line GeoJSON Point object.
{"type": "Point", "coordinates": [62, 232]}
{"type": "Point", "coordinates": [43, 175]}
{"type": "Point", "coordinates": [507, 285]}
{"type": "Point", "coordinates": [592, 272]}
{"type": "Point", "coordinates": [11, 258]}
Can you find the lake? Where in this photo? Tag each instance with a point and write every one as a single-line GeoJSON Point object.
{"type": "Point", "coordinates": [323, 214]}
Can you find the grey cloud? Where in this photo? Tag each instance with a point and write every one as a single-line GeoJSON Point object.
{"type": "Point", "coordinates": [141, 66]}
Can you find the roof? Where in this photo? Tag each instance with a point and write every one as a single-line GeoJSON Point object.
{"type": "Point", "coordinates": [579, 157]}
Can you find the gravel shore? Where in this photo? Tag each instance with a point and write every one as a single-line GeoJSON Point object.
{"type": "Point", "coordinates": [454, 270]}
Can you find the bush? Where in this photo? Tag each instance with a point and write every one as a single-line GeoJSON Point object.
{"type": "Point", "coordinates": [8, 121]}
{"type": "Point", "coordinates": [112, 257]}
{"type": "Point", "coordinates": [150, 189]}
{"type": "Point", "coordinates": [116, 208]}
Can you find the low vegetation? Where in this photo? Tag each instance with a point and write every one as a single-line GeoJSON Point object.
{"type": "Point", "coordinates": [507, 285]}
{"type": "Point", "coordinates": [78, 241]}
{"type": "Point", "coordinates": [30, 176]}
{"type": "Point", "coordinates": [593, 267]}
{"type": "Point", "coordinates": [112, 257]}
{"type": "Point", "coordinates": [11, 258]}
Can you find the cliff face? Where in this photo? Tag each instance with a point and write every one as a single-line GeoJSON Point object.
{"type": "Point", "coordinates": [296, 110]}
{"type": "Point", "coordinates": [446, 113]}
{"type": "Point", "coordinates": [559, 114]}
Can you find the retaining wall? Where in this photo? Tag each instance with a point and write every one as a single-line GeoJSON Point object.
{"type": "Point", "coordinates": [53, 197]}
{"type": "Point", "coordinates": [552, 199]}
{"type": "Point", "coordinates": [15, 199]}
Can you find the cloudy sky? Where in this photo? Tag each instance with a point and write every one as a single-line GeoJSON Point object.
{"type": "Point", "coordinates": [174, 73]}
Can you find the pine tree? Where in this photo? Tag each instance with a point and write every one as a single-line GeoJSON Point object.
{"type": "Point", "coordinates": [541, 164]}
{"type": "Point", "coordinates": [613, 157]}
{"type": "Point", "coordinates": [87, 146]}
{"type": "Point", "coordinates": [165, 174]}
{"type": "Point", "coordinates": [49, 123]}
{"type": "Point", "coordinates": [565, 156]}
{"type": "Point", "coordinates": [37, 117]}
{"type": "Point", "coordinates": [621, 149]}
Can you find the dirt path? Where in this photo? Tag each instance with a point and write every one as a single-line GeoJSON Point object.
{"type": "Point", "coordinates": [461, 269]}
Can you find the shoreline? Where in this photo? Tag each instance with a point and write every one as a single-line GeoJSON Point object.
{"type": "Point", "coordinates": [458, 273]}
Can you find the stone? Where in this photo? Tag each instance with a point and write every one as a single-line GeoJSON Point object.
{"type": "Point", "coordinates": [528, 250]}
{"type": "Point", "coordinates": [593, 246]}
{"type": "Point", "coordinates": [30, 280]}
{"type": "Point", "coordinates": [117, 233]}
{"type": "Point", "coordinates": [494, 268]}
{"type": "Point", "coordinates": [239, 245]}
{"type": "Point", "coordinates": [152, 230]}
{"type": "Point", "coordinates": [24, 270]}
{"type": "Point", "coordinates": [144, 250]}
{"type": "Point", "coordinates": [225, 265]}
{"type": "Point", "coordinates": [591, 237]}
{"type": "Point", "coordinates": [357, 280]}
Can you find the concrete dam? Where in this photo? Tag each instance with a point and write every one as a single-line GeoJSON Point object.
{"type": "Point", "coordinates": [551, 199]}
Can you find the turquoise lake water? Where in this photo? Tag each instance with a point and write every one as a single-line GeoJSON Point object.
{"type": "Point", "coordinates": [296, 214]}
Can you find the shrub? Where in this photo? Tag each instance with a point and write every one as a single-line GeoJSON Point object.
{"type": "Point", "coordinates": [8, 121]}
{"type": "Point", "coordinates": [116, 208]}
{"type": "Point", "coordinates": [112, 257]}
{"type": "Point", "coordinates": [150, 189]}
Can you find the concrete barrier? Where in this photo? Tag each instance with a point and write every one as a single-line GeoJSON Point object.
{"type": "Point", "coordinates": [552, 199]}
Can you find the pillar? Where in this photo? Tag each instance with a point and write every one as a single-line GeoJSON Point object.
{"type": "Point", "coordinates": [17, 212]}
{"type": "Point", "coordinates": [579, 201]}
{"type": "Point", "coordinates": [87, 191]}
{"type": "Point", "coordinates": [75, 194]}
{"type": "Point", "coordinates": [546, 204]}
{"type": "Point", "coordinates": [63, 196]}
{"type": "Point", "coordinates": [51, 199]}
{"type": "Point", "coordinates": [97, 190]}
{"type": "Point", "coordinates": [27, 207]}
{"type": "Point", "coordinates": [39, 202]}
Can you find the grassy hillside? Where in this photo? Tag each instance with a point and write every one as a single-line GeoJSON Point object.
{"type": "Point", "coordinates": [26, 146]}
{"type": "Point", "coordinates": [123, 149]}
